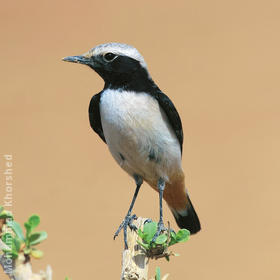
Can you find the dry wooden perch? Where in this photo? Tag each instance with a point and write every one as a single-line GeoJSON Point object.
{"type": "Point", "coordinates": [22, 269]}
{"type": "Point", "coordinates": [135, 262]}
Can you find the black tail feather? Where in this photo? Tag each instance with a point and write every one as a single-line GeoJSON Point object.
{"type": "Point", "coordinates": [188, 218]}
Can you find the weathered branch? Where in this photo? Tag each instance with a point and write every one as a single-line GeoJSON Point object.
{"type": "Point", "coordinates": [21, 269]}
{"type": "Point", "coordinates": [135, 262]}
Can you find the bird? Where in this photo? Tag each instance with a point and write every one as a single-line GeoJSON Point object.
{"type": "Point", "coordinates": [142, 129]}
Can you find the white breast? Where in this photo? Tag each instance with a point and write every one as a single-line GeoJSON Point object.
{"type": "Point", "coordinates": [139, 135]}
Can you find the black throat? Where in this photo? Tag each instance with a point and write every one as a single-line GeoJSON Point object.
{"type": "Point", "coordinates": [138, 81]}
{"type": "Point", "coordinates": [126, 73]}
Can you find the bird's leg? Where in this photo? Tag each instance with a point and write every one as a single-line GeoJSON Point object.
{"type": "Point", "coordinates": [160, 227]}
{"type": "Point", "coordinates": [127, 221]}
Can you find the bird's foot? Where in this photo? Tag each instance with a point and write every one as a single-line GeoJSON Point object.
{"type": "Point", "coordinates": [148, 221]}
{"type": "Point", "coordinates": [160, 229]}
{"type": "Point", "coordinates": [127, 221]}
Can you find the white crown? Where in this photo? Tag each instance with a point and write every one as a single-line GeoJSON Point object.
{"type": "Point", "coordinates": [119, 49]}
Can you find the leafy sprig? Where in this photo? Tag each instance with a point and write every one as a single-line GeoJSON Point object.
{"type": "Point", "coordinates": [158, 275]}
{"type": "Point", "coordinates": [4, 214]}
{"type": "Point", "coordinates": [17, 241]}
{"type": "Point", "coordinates": [159, 247]}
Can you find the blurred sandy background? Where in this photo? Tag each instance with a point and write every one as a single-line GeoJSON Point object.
{"type": "Point", "coordinates": [218, 61]}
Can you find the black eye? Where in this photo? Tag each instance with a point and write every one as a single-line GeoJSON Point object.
{"type": "Point", "coordinates": [109, 56]}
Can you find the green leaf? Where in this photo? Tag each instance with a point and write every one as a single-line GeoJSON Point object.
{"type": "Point", "coordinates": [140, 233]}
{"type": "Point", "coordinates": [1, 208]}
{"type": "Point", "coordinates": [14, 255]}
{"type": "Point", "coordinates": [17, 229]}
{"type": "Point", "coordinates": [167, 258]}
{"type": "Point", "coordinates": [34, 221]}
{"type": "Point", "coordinates": [28, 230]}
{"type": "Point", "coordinates": [145, 246]}
{"type": "Point", "coordinates": [172, 238]}
{"type": "Point", "coordinates": [7, 238]}
{"type": "Point", "coordinates": [182, 235]}
{"type": "Point", "coordinates": [153, 245]}
{"type": "Point", "coordinates": [26, 251]}
{"type": "Point", "coordinates": [161, 239]}
{"type": "Point", "coordinates": [6, 214]}
{"type": "Point", "coordinates": [17, 244]}
{"type": "Point", "coordinates": [157, 273]}
{"type": "Point", "coordinates": [37, 254]}
{"type": "Point", "coordinates": [13, 243]}
{"type": "Point", "coordinates": [37, 237]}
{"type": "Point", "coordinates": [149, 230]}
{"type": "Point", "coordinates": [11, 254]}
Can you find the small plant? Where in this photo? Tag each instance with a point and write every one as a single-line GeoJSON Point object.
{"type": "Point", "coordinates": [4, 214]}
{"type": "Point", "coordinates": [166, 239]}
{"type": "Point", "coordinates": [15, 238]}
{"type": "Point", "coordinates": [157, 276]}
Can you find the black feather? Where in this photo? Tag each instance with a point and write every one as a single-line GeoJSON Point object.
{"type": "Point", "coordinates": [94, 116]}
{"type": "Point", "coordinates": [190, 221]}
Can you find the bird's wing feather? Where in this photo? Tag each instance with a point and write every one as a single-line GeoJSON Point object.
{"type": "Point", "coordinates": [94, 116]}
{"type": "Point", "coordinates": [172, 115]}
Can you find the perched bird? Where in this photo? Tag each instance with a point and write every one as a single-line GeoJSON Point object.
{"type": "Point", "coordinates": [141, 127]}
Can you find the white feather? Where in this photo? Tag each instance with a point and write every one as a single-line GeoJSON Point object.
{"type": "Point", "coordinates": [119, 49]}
{"type": "Point", "coordinates": [133, 126]}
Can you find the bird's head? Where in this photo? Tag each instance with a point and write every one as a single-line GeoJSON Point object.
{"type": "Point", "coordinates": [118, 64]}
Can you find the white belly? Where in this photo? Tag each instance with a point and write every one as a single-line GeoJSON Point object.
{"type": "Point", "coordinates": [139, 135]}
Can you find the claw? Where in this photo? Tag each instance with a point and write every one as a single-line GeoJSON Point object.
{"type": "Point", "coordinates": [128, 221]}
{"type": "Point", "coordinates": [148, 221]}
{"type": "Point", "coordinates": [160, 229]}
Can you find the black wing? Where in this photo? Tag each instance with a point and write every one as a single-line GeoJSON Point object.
{"type": "Point", "coordinates": [172, 115]}
{"type": "Point", "coordinates": [94, 116]}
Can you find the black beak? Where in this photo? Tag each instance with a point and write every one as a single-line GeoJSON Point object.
{"type": "Point", "coordinates": [79, 59]}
